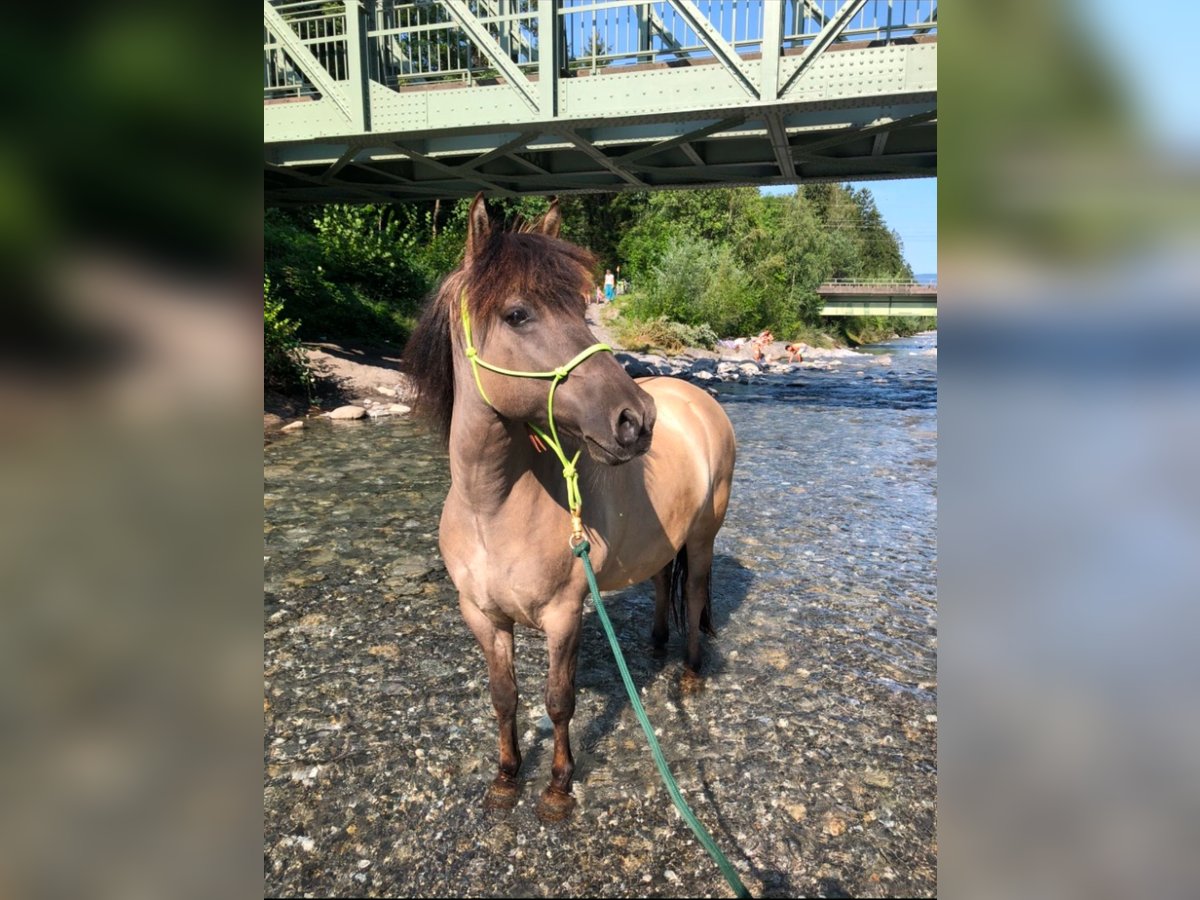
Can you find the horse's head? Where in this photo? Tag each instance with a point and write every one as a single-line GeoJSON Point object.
{"type": "Point", "coordinates": [524, 294]}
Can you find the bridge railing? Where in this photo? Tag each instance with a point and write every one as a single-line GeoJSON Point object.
{"type": "Point", "coordinates": [622, 32]}
{"type": "Point", "coordinates": [804, 20]}
{"type": "Point", "coordinates": [598, 33]}
{"type": "Point", "coordinates": [423, 42]}
{"type": "Point", "coordinates": [876, 285]}
{"type": "Point", "coordinates": [321, 28]}
{"type": "Point", "coordinates": [412, 43]}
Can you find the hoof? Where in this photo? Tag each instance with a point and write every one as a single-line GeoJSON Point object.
{"type": "Point", "coordinates": [501, 794]}
{"type": "Point", "coordinates": [554, 806]}
{"type": "Point", "coordinates": [691, 682]}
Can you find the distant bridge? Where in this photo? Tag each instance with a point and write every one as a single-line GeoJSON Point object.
{"type": "Point", "coordinates": [391, 100]}
{"type": "Point", "coordinates": [844, 297]}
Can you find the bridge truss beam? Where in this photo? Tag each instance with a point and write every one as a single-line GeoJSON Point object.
{"type": "Point", "coordinates": [393, 100]}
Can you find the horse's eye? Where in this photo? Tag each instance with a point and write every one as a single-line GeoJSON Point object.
{"type": "Point", "coordinates": [517, 317]}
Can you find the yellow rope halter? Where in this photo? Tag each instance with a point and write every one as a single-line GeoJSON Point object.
{"type": "Point", "coordinates": [570, 473]}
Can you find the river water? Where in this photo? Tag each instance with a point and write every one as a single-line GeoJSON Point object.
{"type": "Point", "coordinates": [810, 755]}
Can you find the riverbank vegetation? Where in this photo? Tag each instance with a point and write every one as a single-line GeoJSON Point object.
{"type": "Point", "coordinates": [699, 264]}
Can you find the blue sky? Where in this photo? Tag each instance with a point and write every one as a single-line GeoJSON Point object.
{"type": "Point", "coordinates": [1156, 61]}
{"type": "Point", "coordinates": [909, 206]}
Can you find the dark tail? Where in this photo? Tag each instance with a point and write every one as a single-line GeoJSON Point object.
{"type": "Point", "coordinates": [678, 595]}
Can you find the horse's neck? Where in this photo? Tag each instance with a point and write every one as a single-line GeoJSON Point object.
{"type": "Point", "coordinates": [487, 455]}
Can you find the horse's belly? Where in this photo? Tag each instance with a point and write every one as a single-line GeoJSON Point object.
{"type": "Point", "coordinates": [623, 566]}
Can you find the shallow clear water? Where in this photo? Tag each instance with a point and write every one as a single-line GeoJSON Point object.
{"type": "Point", "coordinates": [810, 755]}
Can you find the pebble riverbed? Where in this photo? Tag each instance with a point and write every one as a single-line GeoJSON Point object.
{"type": "Point", "coordinates": [810, 755]}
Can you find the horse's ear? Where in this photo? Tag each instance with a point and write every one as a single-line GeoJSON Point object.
{"type": "Point", "coordinates": [551, 222]}
{"type": "Point", "coordinates": [479, 226]}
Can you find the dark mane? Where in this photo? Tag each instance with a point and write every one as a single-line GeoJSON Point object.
{"type": "Point", "coordinates": [542, 270]}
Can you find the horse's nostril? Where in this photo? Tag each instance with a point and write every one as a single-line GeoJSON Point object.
{"type": "Point", "coordinates": [629, 426]}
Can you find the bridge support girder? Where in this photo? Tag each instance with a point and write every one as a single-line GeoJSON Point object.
{"type": "Point", "coordinates": [815, 108]}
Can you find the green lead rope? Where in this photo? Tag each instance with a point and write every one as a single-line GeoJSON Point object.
{"type": "Point", "coordinates": [702, 835]}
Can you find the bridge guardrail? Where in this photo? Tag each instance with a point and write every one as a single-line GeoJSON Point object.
{"type": "Point", "coordinates": [319, 29]}
{"type": "Point", "coordinates": [849, 286]}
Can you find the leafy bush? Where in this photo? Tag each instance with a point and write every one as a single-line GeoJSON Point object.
{"type": "Point", "coordinates": [284, 365]}
{"type": "Point", "coordinates": [373, 247]}
{"type": "Point", "coordinates": [339, 276]}
{"type": "Point", "coordinates": [700, 283]}
{"type": "Point", "coordinates": [873, 329]}
{"type": "Point", "coordinates": [643, 246]}
{"type": "Point", "coordinates": [678, 283]}
{"type": "Point", "coordinates": [663, 335]}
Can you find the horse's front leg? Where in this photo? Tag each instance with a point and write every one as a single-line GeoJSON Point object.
{"type": "Point", "coordinates": [562, 624]}
{"type": "Point", "coordinates": [496, 641]}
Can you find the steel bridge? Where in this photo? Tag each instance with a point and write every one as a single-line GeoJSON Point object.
{"type": "Point", "coordinates": [844, 297]}
{"type": "Point", "coordinates": [390, 100]}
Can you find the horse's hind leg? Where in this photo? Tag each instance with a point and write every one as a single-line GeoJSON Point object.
{"type": "Point", "coordinates": [562, 626]}
{"type": "Point", "coordinates": [497, 644]}
{"type": "Point", "coordinates": [662, 608]}
{"type": "Point", "coordinates": [698, 592]}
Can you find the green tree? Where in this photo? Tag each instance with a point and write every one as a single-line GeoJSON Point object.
{"type": "Point", "coordinates": [879, 247]}
{"type": "Point", "coordinates": [723, 260]}
{"type": "Point", "coordinates": [791, 258]}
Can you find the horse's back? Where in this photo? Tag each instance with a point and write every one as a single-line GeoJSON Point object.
{"type": "Point", "coordinates": [689, 414]}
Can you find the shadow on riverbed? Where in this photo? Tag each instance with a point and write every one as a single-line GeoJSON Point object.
{"type": "Point", "coordinates": [631, 611]}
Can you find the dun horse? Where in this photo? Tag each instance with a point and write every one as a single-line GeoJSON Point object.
{"type": "Point", "coordinates": [651, 508]}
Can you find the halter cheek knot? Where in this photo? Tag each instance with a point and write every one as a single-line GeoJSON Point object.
{"type": "Point", "coordinates": [561, 372]}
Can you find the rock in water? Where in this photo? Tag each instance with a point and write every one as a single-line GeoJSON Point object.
{"type": "Point", "coordinates": [348, 412]}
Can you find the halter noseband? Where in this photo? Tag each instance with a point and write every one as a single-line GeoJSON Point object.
{"type": "Point", "coordinates": [570, 473]}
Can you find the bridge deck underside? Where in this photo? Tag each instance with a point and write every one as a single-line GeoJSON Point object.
{"type": "Point", "coordinates": [857, 111]}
